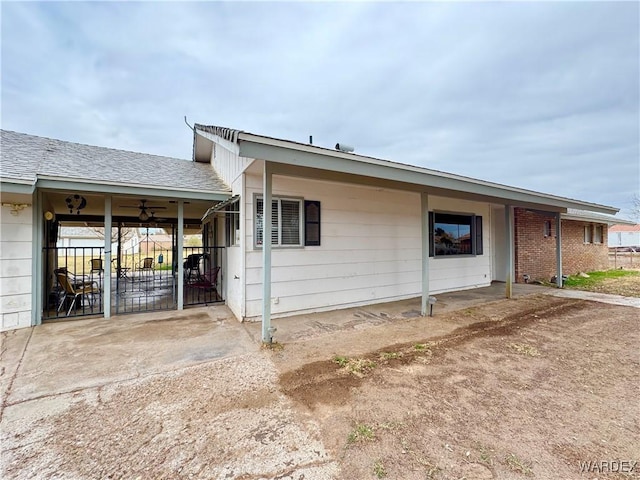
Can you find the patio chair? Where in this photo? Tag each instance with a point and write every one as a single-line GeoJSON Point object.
{"type": "Point", "coordinates": [96, 266]}
{"type": "Point", "coordinates": [192, 267]}
{"type": "Point", "coordinates": [146, 265]}
{"type": "Point", "coordinates": [208, 282]}
{"type": "Point", "coordinates": [74, 292]}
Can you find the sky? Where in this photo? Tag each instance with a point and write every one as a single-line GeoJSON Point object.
{"type": "Point", "coordinates": [543, 96]}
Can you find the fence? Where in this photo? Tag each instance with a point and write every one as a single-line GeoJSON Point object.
{"type": "Point", "coordinates": [624, 257]}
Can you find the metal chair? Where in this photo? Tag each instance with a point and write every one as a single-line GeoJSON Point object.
{"type": "Point", "coordinates": [76, 291]}
{"type": "Point", "coordinates": [96, 266]}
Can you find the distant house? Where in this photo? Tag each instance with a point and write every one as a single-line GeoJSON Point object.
{"type": "Point", "coordinates": [625, 236]}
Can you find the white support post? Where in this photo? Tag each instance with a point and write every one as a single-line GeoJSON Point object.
{"type": "Point", "coordinates": [424, 211]}
{"type": "Point", "coordinates": [107, 256]}
{"type": "Point", "coordinates": [508, 226]}
{"type": "Point", "coordinates": [37, 276]}
{"type": "Point", "coordinates": [266, 252]}
{"type": "Point", "coordinates": [558, 251]}
{"type": "Point", "coordinates": [179, 248]}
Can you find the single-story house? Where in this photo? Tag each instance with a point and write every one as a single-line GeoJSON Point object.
{"type": "Point", "coordinates": [345, 229]}
{"type": "Point", "coordinates": [625, 235]}
{"type": "Point", "coordinates": [584, 243]}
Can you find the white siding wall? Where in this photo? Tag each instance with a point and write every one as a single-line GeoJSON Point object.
{"type": "Point", "coordinates": [235, 262]}
{"type": "Point", "coordinates": [15, 267]}
{"type": "Point", "coordinates": [370, 249]}
{"type": "Point", "coordinates": [225, 160]}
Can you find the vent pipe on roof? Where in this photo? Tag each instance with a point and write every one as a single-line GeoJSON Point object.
{"type": "Point", "coordinates": [310, 139]}
{"type": "Point", "coordinates": [344, 148]}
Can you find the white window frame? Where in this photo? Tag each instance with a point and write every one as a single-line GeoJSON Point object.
{"type": "Point", "coordinates": [588, 234]}
{"type": "Point", "coordinates": [598, 230]}
{"type": "Point", "coordinates": [279, 199]}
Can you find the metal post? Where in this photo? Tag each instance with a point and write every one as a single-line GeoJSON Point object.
{"type": "Point", "coordinates": [37, 282]}
{"type": "Point", "coordinates": [558, 250]}
{"type": "Point", "coordinates": [179, 246]}
{"type": "Point", "coordinates": [424, 215]}
{"type": "Point", "coordinates": [107, 256]}
{"type": "Point", "coordinates": [508, 226]}
{"type": "Point", "coordinates": [266, 253]}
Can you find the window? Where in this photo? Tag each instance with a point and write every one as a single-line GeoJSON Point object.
{"type": "Point", "coordinates": [311, 223]}
{"type": "Point", "coordinates": [547, 228]}
{"type": "Point", "coordinates": [598, 234]}
{"type": "Point", "coordinates": [587, 234]}
{"type": "Point", "coordinates": [285, 222]}
{"type": "Point", "coordinates": [455, 234]}
{"type": "Point", "coordinates": [232, 224]}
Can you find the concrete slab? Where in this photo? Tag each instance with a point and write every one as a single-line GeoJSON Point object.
{"type": "Point", "coordinates": [69, 356]}
{"type": "Point", "coordinates": [597, 297]}
{"type": "Point", "coordinates": [302, 327]}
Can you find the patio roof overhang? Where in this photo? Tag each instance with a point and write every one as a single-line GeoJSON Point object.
{"type": "Point", "coordinates": [114, 188]}
{"type": "Point", "coordinates": [291, 158]}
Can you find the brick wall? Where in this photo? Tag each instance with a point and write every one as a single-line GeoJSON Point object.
{"type": "Point", "coordinates": [535, 253]}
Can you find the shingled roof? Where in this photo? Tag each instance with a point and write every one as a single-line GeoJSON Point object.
{"type": "Point", "coordinates": [25, 158]}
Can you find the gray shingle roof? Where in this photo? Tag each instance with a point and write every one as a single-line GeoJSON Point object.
{"type": "Point", "coordinates": [26, 157]}
{"type": "Point", "coordinates": [574, 214]}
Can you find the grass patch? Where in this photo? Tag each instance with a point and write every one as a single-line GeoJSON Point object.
{"type": "Point", "coordinates": [273, 346]}
{"type": "Point", "coordinates": [524, 349]}
{"type": "Point", "coordinates": [361, 433]}
{"type": "Point", "coordinates": [357, 366]}
{"type": "Point", "coordinates": [420, 347]}
{"type": "Point", "coordinates": [596, 278]}
{"type": "Point", "coordinates": [518, 465]}
{"type": "Point", "coordinates": [378, 469]}
{"type": "Point", "coordinates": [390, 355]}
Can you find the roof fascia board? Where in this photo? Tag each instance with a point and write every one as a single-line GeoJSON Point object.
{"type": "Point", "coordinates": [14, 187]}
{"type": "Point", "coordinates": [53, 184]}
{"type": "Point", "coordinates": [594, 219]}
{"type": "Point", "coordinates": [282, 152]}
{"type": "Point", "coordinates": [331, 176]}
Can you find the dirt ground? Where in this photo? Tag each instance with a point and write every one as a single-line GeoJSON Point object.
{"type": "Point", "coordinates": [513, 389]}
{"type": "Point", "coordinates": [530, 391]}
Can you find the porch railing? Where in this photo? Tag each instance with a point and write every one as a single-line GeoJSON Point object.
{"type": "Point", "coordinates": [73, 281]}
{"type": "Point", "coordinates": [203, 275]}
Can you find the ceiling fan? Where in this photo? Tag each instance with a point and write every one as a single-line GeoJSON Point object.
{"type": "Point", "coordinates": [144, 216]}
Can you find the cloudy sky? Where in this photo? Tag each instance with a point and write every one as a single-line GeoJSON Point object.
{"type": "Point", "coordinates": [543, 96]}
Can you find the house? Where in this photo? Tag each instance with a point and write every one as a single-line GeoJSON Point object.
{"type": "Point", "coordinates": [347, 230]}
{"type": "Point", "coordinates": [625, 235]}
{"type": "Point", "coordinates": [584, 243]}
{"type": "Point", "coordinates": [344, 229]}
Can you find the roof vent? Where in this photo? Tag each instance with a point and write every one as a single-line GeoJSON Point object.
{"type": "Point", "coordinates": [344, 148]}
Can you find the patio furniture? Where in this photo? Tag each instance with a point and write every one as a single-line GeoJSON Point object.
{"type": "Point", "coordinates": [75, 292]}
{"type": "Point", "coordinates": [208, 282]}
{"type": "Point", "coordinates": [96, 266]}
{"type": "Point", "coordinates": [192, 267]}
{"type": "Point", "coordinates": [146, 265]}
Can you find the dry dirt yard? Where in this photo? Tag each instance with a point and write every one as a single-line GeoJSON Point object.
{"type": "Point", "coordinates": [525, 388]}
{"type": "Point", "coordinates": [530, 391]}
